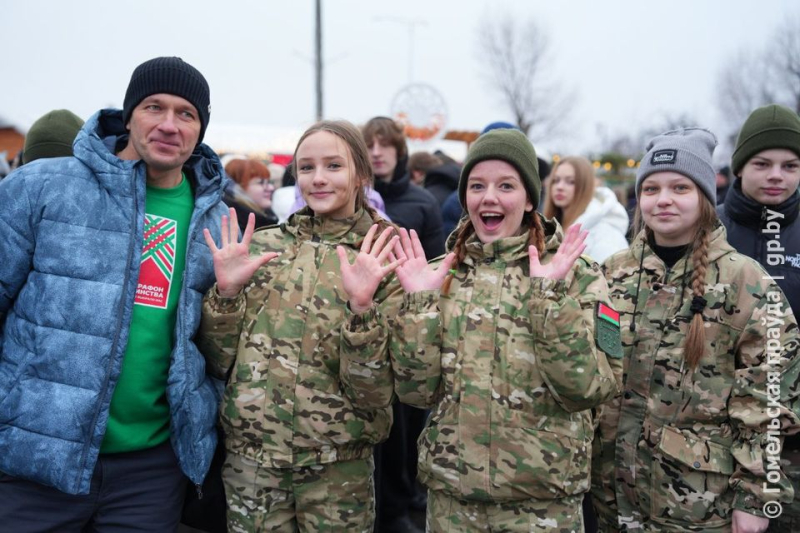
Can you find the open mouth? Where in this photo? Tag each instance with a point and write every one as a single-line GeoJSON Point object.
{"type": "Point", "coordinates": [492, 220]}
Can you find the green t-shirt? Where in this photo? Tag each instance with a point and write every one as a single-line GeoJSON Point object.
{"type": "Point", "coordinates": [139, 417]}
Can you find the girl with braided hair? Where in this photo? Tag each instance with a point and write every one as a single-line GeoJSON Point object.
{"type": "Point", "coordinates": [300, 331]}
{"type": "Point", "coordinates": [506, 339]}
{"type": "Point", "coordinates": [693, 441]}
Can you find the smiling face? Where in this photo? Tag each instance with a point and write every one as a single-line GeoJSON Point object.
{"type": "Point", "coordinates": [496, 200]}
{"type": "Point", "coordinates": [770, 177]}
{"type": "Point", "coordinates": [164, 130]}
{"type": "Point", "coordinates": [326, 176]}
{"type": "Point", "coordinates": [670, 205]}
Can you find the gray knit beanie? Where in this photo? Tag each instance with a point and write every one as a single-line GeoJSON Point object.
{"type": "Point", "coordinates": [686, 151]}
{"type": "Point", "coordinates": [511, 146]}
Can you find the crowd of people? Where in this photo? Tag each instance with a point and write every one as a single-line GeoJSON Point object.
{"type": "Point", "coordinates": [368, 334]}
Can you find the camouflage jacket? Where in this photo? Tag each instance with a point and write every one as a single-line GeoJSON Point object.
{"type": "Point", "coordinates": [682, 448]}
{"type": "Point", "coordinates": [512, 369]}
{"type": "Point", "coordinates": [310, 382]}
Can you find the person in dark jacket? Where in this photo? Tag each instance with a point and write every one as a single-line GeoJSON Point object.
{"type": "Point", "coordinates": [413, 208]}
{"type": "Point", "coordinates": [760, 215]}
{"type": "Point", "coordinates": [408, 205]}
{"type": "Point", "coordinates": [105, 406]}
{"type": "Point", "coordinates": [441, 181]}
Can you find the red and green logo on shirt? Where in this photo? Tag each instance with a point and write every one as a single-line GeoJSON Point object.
{"type": "Point", "coordinates": [158, 261]}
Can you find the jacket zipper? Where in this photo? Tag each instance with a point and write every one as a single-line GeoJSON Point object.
{"type": "Point", "coordinates": [114, 345]}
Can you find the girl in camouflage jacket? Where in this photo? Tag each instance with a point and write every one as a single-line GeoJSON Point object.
{"type": "Point", "coordinates": [303, 345]}
{"type": "Point", "coordinates": [507, 350]}
{"type": "Point", "coordinates": [710, 364]}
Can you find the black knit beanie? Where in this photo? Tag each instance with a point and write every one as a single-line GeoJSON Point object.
{"type": "Point", "coordinates": [169, 75]}
{"type": "Point", "coordinates": [511, 146]}
{"type": "Point", "coordinates": [768, 127]}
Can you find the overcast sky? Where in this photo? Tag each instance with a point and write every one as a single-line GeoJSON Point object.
{"type": "Point", "coordinates": [629, 61]}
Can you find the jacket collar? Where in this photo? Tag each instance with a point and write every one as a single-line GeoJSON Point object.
{"type": "Point", "coordinates": [748, 212]}
{"type": "Point", "coordinates": [304, 225]}
{"type": "Point", "coordinates": [717, 248]}
{"type": "Point", "coordinates": [512, 248]}
{"type": "Point", "coordinates": [401, 181]}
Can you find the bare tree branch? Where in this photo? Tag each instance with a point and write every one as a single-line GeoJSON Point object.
{"type": "Point", "coordinates": [515, 57]}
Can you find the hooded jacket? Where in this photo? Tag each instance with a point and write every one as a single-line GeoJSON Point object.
{"type": "Point", "coordinates": [511, 367]}
{"type": "Point", "coordinates": [412, 207]}
{"type": "Point", "coordinates": [607, 223]}
{"type": "Point", "coordinates": [71, 237]}
{"type": "Point", "coordinates": [441, 181]}
{"type": "Point", "coordinates": [751, 226]}
{"type": "Point", "coordinates": [310, 382]}
{"type": "Point", "coordinates": [681, 448]}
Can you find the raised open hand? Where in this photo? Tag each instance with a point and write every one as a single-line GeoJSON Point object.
{"type": "Point", "coordinates": [233, 265]}
{"type": "Point", "coordinates": [415, 274]}
{"type": "Point", "coordinates": [360, 280]}
{"type": "Point", "coordinates": [571, 248]}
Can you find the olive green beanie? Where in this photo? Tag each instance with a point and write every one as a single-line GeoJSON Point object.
{"type": "Point", "coordinates": [511, 146]}
{"type": "Point", "coordinates": [768, 127]}
{"type": "Point", "coordinates": [51, 136]}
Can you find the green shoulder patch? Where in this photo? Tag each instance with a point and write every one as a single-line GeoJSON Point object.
{"type": "Point", "coordinates": [606, 331]}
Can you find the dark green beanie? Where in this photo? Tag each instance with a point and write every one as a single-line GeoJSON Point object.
{"type": "Point", "coordinates": [511, 146]}
{"type": "Point", "coordinates": [768, 127]}
{"type": "Point", "coordinates": [51, 136]}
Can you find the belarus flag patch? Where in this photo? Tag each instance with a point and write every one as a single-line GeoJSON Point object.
{"type": "Point", "coordinates": [607, 331]}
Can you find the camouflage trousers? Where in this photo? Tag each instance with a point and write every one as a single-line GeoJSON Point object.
{"type": "Point", "coordinates": [450, 515]}
{"type": "Point", "coordinates": [330, 497]}
{"type": "Point", "coordinates": [789, 520]}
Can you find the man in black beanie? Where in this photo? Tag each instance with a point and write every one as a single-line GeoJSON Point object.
{"type": "Point", "coordinates": [105, 408]}
{"type": "Point", "coordinates": [760, 214]}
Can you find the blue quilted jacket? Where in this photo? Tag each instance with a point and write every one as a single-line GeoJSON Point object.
{"type": "Point", "coordinates": [70, 245]}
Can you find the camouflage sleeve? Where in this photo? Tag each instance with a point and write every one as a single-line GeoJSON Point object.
{"type": "Point", "coordinates": [604, 449]}
{"type": "Point", "coordinates": [761, 400]}
{"type": "Point", "coordinates": [220, 327]}
{"type": "Point", "coordinates": [365, 371]}
{"type": "Point", "coordinates": [415, 349]}
{"type": "Point", "coordinates": [563, 322]}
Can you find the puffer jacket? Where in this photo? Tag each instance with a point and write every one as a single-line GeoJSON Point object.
{"type": "Point", "coordinates": [71, 236]}
{"type": "Point", "coordinates": [607, 223]}
{"type": "Point", "coordinates": [310, 382]}
{"type": "Point", "coordinates": [680, 449]}
{"type": "Point", "coordinates": [512, 368]}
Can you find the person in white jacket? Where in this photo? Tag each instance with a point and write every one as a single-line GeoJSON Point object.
{"type": "Point", "coordinates": [574, 198]}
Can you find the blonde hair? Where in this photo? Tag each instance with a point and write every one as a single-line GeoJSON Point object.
{"type": "Point", "coordinates": [584, 191]}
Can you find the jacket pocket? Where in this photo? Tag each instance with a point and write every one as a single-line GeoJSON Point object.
{"type": "Point", "coordinates": [690, 480]}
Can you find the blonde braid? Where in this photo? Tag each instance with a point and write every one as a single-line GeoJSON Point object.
{"type": "Point", "coordinates": [696, 338]}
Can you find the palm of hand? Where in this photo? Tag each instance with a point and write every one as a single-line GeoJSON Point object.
{"type": "Point", "coordinates": [568, 252]}
{"type": "Point", "coordinates": [361, 279]}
